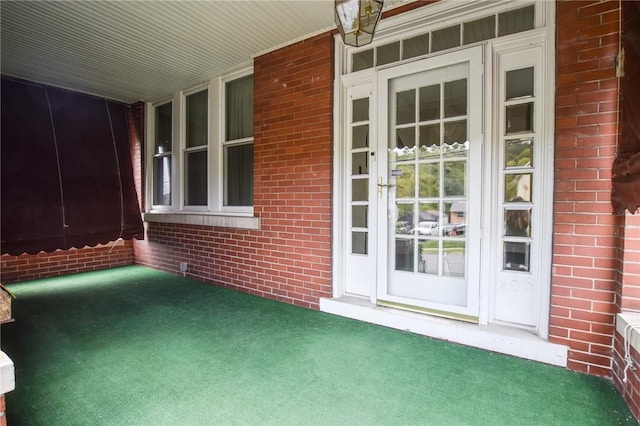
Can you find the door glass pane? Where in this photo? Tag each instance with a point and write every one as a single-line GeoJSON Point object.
{"type": "Point", "coordinates": [359, 163]}
{"type": "Point", "coordinates": [405, 107]}
{"type": "Point", "coordinates": [405, 181]}
{"type": "Point", "coordinates": [455, 178]}
{"type": "Point", "coordinates": [517, 223]}
{"type": "Point", "coordinates": [453, 258]}
{"type": "Point", "coordinates": [519, 83]}
{"type": "Point", "coordinates": [455, 135]}
{"type": "Point", "coordinates": [520, 118]}
{"type": "Point", "coordinates": [362, 60]}
{"type": "Point", "coordinates": [516, 256]}
{"type": "Point", "coordinates": [406, 143]}
{"type": "Point", "coordinates": [359, 216]}
{"type": "Point", "coordinates": [360, 137]}
{"type": "Point", "coordinates": [456, 215]}
{"type": "Point", "coordinates": [430, 140]}
{"type": "Point", "coordinates": [429, 254]}
{"type": "Point", "coordinates": [515, 21]}
{"type": "Point", "coordinates": [517, 187]}
{"type": "Point", "coordinates": [455, 98]}
{"type": "Point", "coordinates": [430, 102]}
{"type": "Point", "coordinates": [360, 189]}
{"type": "Point", "coordinates": [360, 110]}
{"type": "Point", "coordinates": [445, 38]}
{"type": "Point", "coordinates": [388, 53]}
{"type": "Point", "coordinates": [404, 254]}
{"type": "Point", "coordinates": [429, 180]}
{"type": "Point", "coordinates": [196, 173]}
{"type": "Point", "coordinates": [415, 46]}
{"type": "Point", "coordinates": [478, 30]}
{"type": "Point", "coordinates": [404, 222]}
{"type": "Point", "coordinates": [429, 219]}
{"type": "Point", "coordinates": [518, 153]}
{"type": "Point", "coordinates": [359, 242]}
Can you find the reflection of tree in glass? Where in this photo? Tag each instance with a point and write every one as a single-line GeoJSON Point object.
{"type": "Point", "coordinates": [519, 154]}
{"type": "Point", "coordinates": [454, 178]}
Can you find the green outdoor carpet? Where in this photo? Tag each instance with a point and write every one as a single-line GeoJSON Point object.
{"type": "Point", "coordinates": [133, 346]}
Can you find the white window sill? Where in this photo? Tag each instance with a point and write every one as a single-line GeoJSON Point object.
{"type": "Point", "coordinates": [225, 220]}
{"type": "Point", "coordinates": [628, 325]}
{"type": "Point", "coordinates": [7, 374]}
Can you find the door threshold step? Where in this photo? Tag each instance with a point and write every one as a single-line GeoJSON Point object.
{"type": "Point", "coordinates": [496, 338]}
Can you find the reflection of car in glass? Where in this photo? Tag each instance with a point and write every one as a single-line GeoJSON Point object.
{"type": "Point", "coordinates": [458, 229]}
{"type": "Point", "coordinates": [427, 228]}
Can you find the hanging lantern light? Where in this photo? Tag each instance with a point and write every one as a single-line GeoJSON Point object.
{"type": "Point", "coordinates": [357, 20]}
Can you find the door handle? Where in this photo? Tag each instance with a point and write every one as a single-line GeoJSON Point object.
{"type": "Point", "coordinates": [382, 185]}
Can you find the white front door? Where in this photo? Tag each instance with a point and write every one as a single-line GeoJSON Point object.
{"type": "Point", "coordinates": [429, 184]}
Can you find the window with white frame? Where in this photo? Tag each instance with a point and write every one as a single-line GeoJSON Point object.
{"type": "Point", "coordinates": [163, 147]}
{"type": "Point", "coordinates": [196, 129]}
{"type": "Point", "coordinates": [238, 142]}
{"type": "Point", "coordinates": [200, 145]}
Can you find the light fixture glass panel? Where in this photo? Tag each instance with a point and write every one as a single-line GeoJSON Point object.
{"type": "Point", "coordinates": [429, 98]}
{"type": "Point", "coordinates": [519, 83]}
{"type": "Point", "coordinates": [455, 98]}
{"type": "Point", "coordinates": [359, 216]}
{"type": "Point", "coordinates": [517, 187]}
{"type": "Point", "coordinates": [360, 136]}
{"type": "Point", "coordinates": [388, 53]}
{"type": "Point", "coordinates": [406, 107]}
{"type": "Point", "coordinates": [445, 38]}
{"type": "Point", "coordinates": [515, 21]}
{"type": "Point", "coordinates": [360, 163]}
{"type": "Point", "coordinates": [429, 180]}
{"type": "Point", "coordinates": [415, 46]}
{"type": "Point", "coordinates": [360, 110]}
{"type": "Point", "coordinates": [517, 223]}
{"type": "Point", "coordinates": [518, 153]}
{"type": "Point", "coordinates": [359, 242]}
{"type": "Point", "coordinates": [455, 178]}
{"type": "Point", "coordinates": [362, 60]}
{"type": "Point", "coordinates": [519, 118]}
{"type": "Point", "coordinates": [479, 30]}
{"type": "Point", "coordinates": [360, 189]}
{"type": "Point", "coordinates": [429, 141]}
{"type": "Point", "coordinates": [517, 256]}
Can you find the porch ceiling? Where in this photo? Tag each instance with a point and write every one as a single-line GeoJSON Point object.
{"type": "Point", "coordinates": [138, 50]}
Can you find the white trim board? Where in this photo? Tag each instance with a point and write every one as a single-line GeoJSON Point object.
{"type": "Point", "coordinates": [495, 338]}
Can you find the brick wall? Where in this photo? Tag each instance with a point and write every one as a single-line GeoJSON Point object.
{"type": "Point", "coordinates": [64, 262]}
{"type": "Point", "coordinates": [585, 286]}
{"type": "Point", "coordinates": [289, 258]}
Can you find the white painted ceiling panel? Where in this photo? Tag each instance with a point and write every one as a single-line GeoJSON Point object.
{"type": "Point", "coordinates": [139, 50]}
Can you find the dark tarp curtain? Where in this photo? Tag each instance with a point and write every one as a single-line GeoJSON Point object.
{"type": "Point", "coordinates": [625, 194]}
{"type": "Point", "coordinates": [67, 178]}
